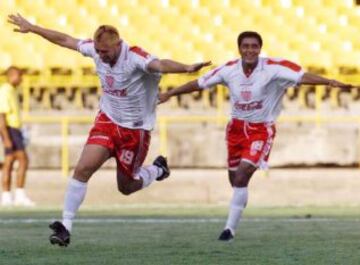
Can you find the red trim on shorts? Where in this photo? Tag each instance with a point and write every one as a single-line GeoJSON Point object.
{"type": "Point", "coordinates": [270, 129]}
{"type": "Point", "coordinates": [137, 162]}
{"type": "Point", "coordinates": [286, 63]}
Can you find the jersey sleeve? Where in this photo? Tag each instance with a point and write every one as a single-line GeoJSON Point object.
{"type": "Point", "coordinates": [287, 71]}
{"type": "Point", "coordinates": [86, 48]}
{"type": "Point", "coordinates": [4, 100]}
{"type": "Point", "coordinates": [212, 78]}
{"type": "Point", "coordinates": [141, 58]}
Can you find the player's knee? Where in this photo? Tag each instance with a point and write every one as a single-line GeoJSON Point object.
{"type": "Point", "coordinates": [83, 173]}
{"type": "Point", "coordinates": [232, 176]}
{"type": "Point", "coordinates": [6, 179]}
{"type": "Point", "coordinates": [247, 169]}
{"type": "Point", "coordinates": [23, 161]}
{"type": "Point", "coordinates": [124, 190]}
{"type": "Point", "coordinates": [241, 181]}
{"type": "Point", "coordinates": [242, 177]}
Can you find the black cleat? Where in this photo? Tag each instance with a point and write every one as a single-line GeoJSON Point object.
{"type": "Point", "coordinates": [161, 162]}
{"type": "Point", "coordinates": [61, 235]}
{"type": "Point", "coordinates": [226, 235]}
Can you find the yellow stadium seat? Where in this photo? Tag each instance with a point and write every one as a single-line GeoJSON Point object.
{"type": "Point", "coordinates": [338, 4]}
{"type": "Point", "coordinates": [201, 17]}
{"type": "Point", "coordinates": [326, 30]}
{"type": "Point", "coordinates": [5, 60]}
{"type": "Point", "coordinates": [8, 7]}
{"type": "Point", "coordinates": [309, 6]}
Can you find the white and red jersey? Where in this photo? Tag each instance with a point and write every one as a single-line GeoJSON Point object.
{"type": "Point", "coordinates": [257, 97]}
{"type": "Point", "coordinates": [130, 92]}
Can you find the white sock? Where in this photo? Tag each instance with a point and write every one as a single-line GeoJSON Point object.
{"type": "Point", "coordinates": [148, 174]}
{"type": "Point", "coordinates": [237, 205]}
{"type": "Point", "coordinates": [74, 196]}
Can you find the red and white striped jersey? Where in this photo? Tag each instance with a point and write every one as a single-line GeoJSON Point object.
{"type": "Point", "coordinates": [256, 97]}
{"type": "Point", "coordinates": [130, 92]}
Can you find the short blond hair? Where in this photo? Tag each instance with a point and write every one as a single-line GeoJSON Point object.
{"type": "Point", "coordinates": [107, 33]}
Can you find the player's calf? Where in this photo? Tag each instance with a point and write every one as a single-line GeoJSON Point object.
{"type": "Point", "coordinates": [159, 170]}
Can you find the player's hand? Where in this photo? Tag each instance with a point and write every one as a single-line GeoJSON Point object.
{"type": "Point", "coordinates": [22, 24]}
{"type": "Point", "coordinates": [197, 66]}
{"type": "Point", "coordinates": [163, 97]}
{"type": "Point", "coordinates": [8, 144]}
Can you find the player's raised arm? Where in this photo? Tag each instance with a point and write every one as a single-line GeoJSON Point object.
{"type": "Point", "coordinates": [313, 79]}
{"type": "Point", "coordinates": [184, 89]}
{"type": "Point", "coordinates": [170, 66]}
{"type": "Point", "coordinates": [24, 26]}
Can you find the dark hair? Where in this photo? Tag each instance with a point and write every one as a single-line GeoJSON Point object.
{"type": "Point", "coordinates": [249, 34]}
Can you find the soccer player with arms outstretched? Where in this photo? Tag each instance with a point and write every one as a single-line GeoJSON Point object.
{"type": "Point", "coordinates": [257, 86]}
{"type": "Point", "coordinates": [129, 77]}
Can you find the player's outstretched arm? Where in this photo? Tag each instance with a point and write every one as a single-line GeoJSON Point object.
{"type": "Point", "coordinates": [170, 66]}
{"type": "Point", "coordinates": [184, 89]}
{"type": "Point", "coordinates": [24, 26]}
{"type": "Point", "coordinates": [312, 79]}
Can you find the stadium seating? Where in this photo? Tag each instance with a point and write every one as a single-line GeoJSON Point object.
{"type": "Point", "coordinates": [317, 34]}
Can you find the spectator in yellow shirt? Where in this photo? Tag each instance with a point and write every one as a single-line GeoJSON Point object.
{"type": "Point", "coordinates": [13, 140]}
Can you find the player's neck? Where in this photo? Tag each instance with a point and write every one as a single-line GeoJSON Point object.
{"type": "Point", "coordinates": [248, 68]}
{"type": "Point", "coordinates": [14, 85]}
{"type": "Point", "coordinates": [113, 62]}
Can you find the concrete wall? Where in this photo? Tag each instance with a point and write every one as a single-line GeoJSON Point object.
{"type": "Point", "coordinates": [203, 145]}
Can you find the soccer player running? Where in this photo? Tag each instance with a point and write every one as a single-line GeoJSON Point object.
{"type": "Point", "coordinates": [257, 86]}
{"type": "Point", "coordinates": [129, 77]}
{"type": "Point", "coordinates": [13, 140]}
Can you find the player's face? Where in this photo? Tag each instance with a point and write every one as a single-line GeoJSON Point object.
{"type": "Point", "coordinates": [107, 53]}
{"type": "Point", "coordinates": [249, 50]}
{"type": "Point", "coordinates": [15, 77]}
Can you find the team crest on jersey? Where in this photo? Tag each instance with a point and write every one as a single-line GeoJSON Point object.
{"type": "Point", "coordinates": [246, 95]}
{"type": "Point", "coordinates": [109, 80]}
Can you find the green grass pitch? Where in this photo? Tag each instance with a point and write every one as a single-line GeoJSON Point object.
{"type": "Point", "coordinates": [160, 235]}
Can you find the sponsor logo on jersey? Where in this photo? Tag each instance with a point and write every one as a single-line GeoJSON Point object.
{"type": "Point", "coordinates": [249, 106]}
{"type": "Point", "coordinates": [116, 93]}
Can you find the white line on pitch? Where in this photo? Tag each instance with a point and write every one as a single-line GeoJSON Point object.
{"type": "Point", "coordinates": [173, 220]}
